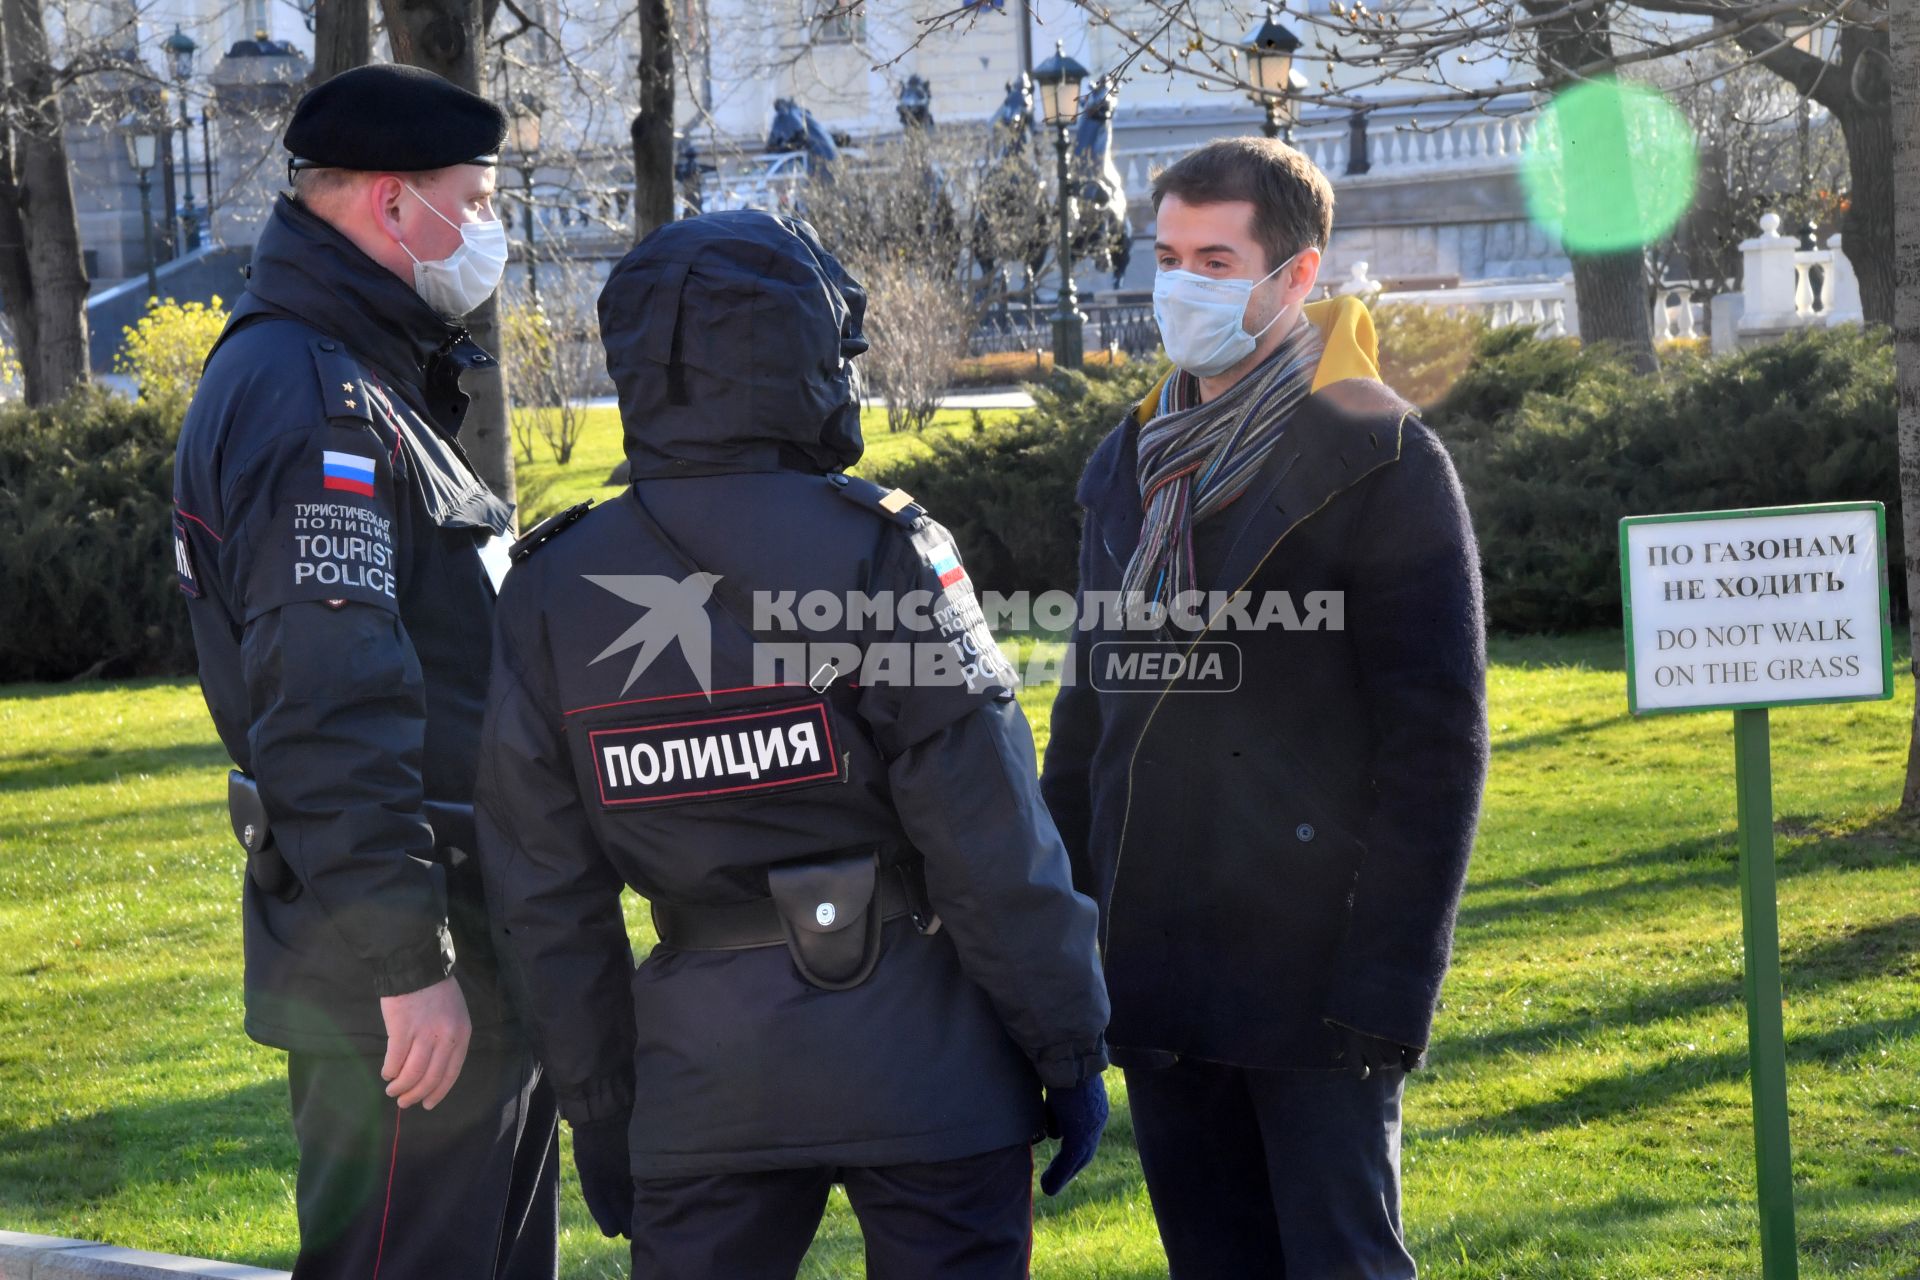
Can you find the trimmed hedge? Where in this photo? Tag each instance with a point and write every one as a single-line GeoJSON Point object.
{"type": "Point", "coordinates": [1006, 491]}
{"type": "Point", "coordinates": [86, 561]}
{"type": "Point", "coordinates": [1554, 443]}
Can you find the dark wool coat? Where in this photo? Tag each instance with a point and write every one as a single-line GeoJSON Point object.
{"type": "Point", "coordinates": [1292, 851]}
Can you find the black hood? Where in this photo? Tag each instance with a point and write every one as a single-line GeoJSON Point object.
{"type": "Point", "coordinates": [730, 338]}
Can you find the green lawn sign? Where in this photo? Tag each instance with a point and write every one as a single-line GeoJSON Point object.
{"type": "Point", "coordinates": [1743, 611]}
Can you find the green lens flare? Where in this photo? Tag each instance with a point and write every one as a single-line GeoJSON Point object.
{"type": "Point", "coordinates": [1610, 166]}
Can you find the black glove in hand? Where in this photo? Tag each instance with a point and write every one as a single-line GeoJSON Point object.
{"type": "Point", "coordinates": [1367, 1054]}
{"type": "Point", "coordinates": [606, 1174]}
{"type": "Point", "coordinates": [1076, 1116]}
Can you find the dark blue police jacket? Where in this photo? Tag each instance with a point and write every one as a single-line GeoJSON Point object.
{"type": "Point", "coordinates": [1285, 844]}
{"type": "Point", "coordinates": [327, 534]}
{"type": "Point", "coordinates": [631, 742]}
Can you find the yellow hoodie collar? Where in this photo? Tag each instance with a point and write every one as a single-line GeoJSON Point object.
{"type": "Point", "coordinates": [1352, 349]}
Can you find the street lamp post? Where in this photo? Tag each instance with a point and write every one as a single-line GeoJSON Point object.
{"type": "Point", "coordinates": [143, 149]}
{"type": "Point", "coordinates": [525, 138]}
{"type": "Point", "coordinates": [1059, 79]}
{"type": "Point", "coordinates": [180, 49]}
{"type": "Point", "coordinates": [213, 166]}
{"type": "Point", "coordinates": [1269, 52]}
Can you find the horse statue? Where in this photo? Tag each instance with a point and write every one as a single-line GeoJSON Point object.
{"type": "Point", "coordinates": [1102, 231]}
{"type": "Point", "coordinates": [916, 104]}
{"type": "Point", "coordinates": [1013, 220]}
{"type": "Point", "coordinates": [795, 128]}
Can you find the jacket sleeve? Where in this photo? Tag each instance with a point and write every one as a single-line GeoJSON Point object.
{"type": "Point", "coordinates": [961, 769]}
{"type": "Point", "coordinates": [1066, 779]}
{"type": "Point", "coordinates": [336, 700]}
{"type": "Point", "coordinates": [553, 895]}
{"type": "Point", "coordinates": [1414, 608]}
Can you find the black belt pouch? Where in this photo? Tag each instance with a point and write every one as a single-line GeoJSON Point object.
{"type": "Point", "coordinates": [828, 912]}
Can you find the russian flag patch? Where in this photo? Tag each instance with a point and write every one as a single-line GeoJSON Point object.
{"type": "Point", "coordinates": [348, 472]}
{"type": "Point", "coordinates": [948, 567]}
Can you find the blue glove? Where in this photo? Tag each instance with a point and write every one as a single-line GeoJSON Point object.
{"type": "Point", "coordinates": [1076, 1116]}
{"type": "Point", "coordinates": [606, 1174]}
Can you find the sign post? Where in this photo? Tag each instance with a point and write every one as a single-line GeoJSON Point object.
{"type": "Point", "coordinates": [1743, 611]}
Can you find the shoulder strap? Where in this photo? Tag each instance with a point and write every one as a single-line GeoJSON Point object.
{"type": "Point", "coordinates": [896, 505]}
{"type": "Point", "coordinates": [342, 381]}
{"type": "Point", "coordinates": [546, 530]}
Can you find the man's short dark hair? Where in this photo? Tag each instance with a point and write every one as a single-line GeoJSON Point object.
{"type": "Point", "coordinates": [1292, 200]}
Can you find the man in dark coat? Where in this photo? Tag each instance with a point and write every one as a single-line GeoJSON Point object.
{"type": "Point", "coordinates": [1277, 825]}
{"type": "Point", "coordinates": [328, 537]}
{"type": "Point", "coordinates": [873, 964]}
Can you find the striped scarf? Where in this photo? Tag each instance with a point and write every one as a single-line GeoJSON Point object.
{"type": "Point", "coordinates": [1195, 459]}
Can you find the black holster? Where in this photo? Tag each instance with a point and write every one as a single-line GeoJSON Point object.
{"type": "Point", "coordinates": [453, 835]}
{"type": "Point", "coordinates": [248, 813]}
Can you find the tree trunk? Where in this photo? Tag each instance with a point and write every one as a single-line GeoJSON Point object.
{"type": "Point", "coordinates": [447, 37]}
{"type": "Point", "coordinates": [1611, 292]}
{"type": "Point", "coordinates": [16, 282]}
{"type": "Point", "coordinates": [1609, 288]}
{"type": "Point", "coordinates": [653, 183]}
{"type": "Point", "coordinates": [1857, 90]}
{"type": "Point", "coordinates": [342, 37]}
{"type": "Point", "coordinates": [46, 283]}
{"type": "Point", "coordinates": [1904, 125]}
{"type": "Point", "coordinates": [1866, 120]}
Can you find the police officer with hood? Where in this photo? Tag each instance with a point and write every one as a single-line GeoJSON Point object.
{"type": "Point", "coordinates": [873, 968]}
{"type": "Point", "coordinates": [328, 534]}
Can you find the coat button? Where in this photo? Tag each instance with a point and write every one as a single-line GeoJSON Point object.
{"type": "Point", "coordinates": [327, 346]}
{"type": "Point", "coordinates": [825, 914]}
{"type": "Point", "coordinates": [1303, 832]}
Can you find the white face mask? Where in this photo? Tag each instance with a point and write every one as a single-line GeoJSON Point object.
{"type": "Point", "coordinates": [456, 284]}
{"type": "Point", "coordinates": [1203, 320]}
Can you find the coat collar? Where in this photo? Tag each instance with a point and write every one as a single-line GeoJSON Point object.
{"type": "Point", "coordinates": [304, 268]}
{"type": "Point", "coordinates": [1336, 437]}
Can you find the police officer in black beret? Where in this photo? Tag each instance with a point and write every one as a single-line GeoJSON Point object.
{"type": "Point", "coordinates": [873, 968]}
{"type": "Point", "coordinates": [333, 544]}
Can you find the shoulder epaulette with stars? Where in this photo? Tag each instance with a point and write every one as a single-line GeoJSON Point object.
{"type": "Point", "coordinates": [342, 381]}
{"type": "Point", "coordinates": [896, 505]}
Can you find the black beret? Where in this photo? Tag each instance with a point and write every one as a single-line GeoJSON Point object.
{"type": "Point", "coordinates": [387, 117]}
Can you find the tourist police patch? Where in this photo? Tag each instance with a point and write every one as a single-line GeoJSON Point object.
{"type": "Point", "coordinates": [735, 753]}
{"type": "Point", "coordinates": [959, 622]}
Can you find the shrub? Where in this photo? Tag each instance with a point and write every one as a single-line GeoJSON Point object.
{"type": "Point", "coordinates": [553, 358]}
{"type": "Point", "coordinates": [1006, 491]}
{"type": "Point", "coordinates": [918, 324]}
{"type": "Point", "coordinates": [1555, 444]}
{"type": "Point", "coordinates": [9, 368]}
{"type": "Point", "coordinates": [86, 560]}
{"type": "Point", "coordinates": [1004, 368]}
{"type": "Point", "coordinates": [163, 353]}
{"type": "Point", "coordinates": [1424, 350]}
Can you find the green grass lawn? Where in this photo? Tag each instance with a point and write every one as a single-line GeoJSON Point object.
{"type": "Point", "coordinates": [1586, 1113]}
{"type": "Point", "coordinates": [546, 487]}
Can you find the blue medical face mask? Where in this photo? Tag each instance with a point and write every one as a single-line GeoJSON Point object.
{"type": "Point", "coordinates": [1203, 320]}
